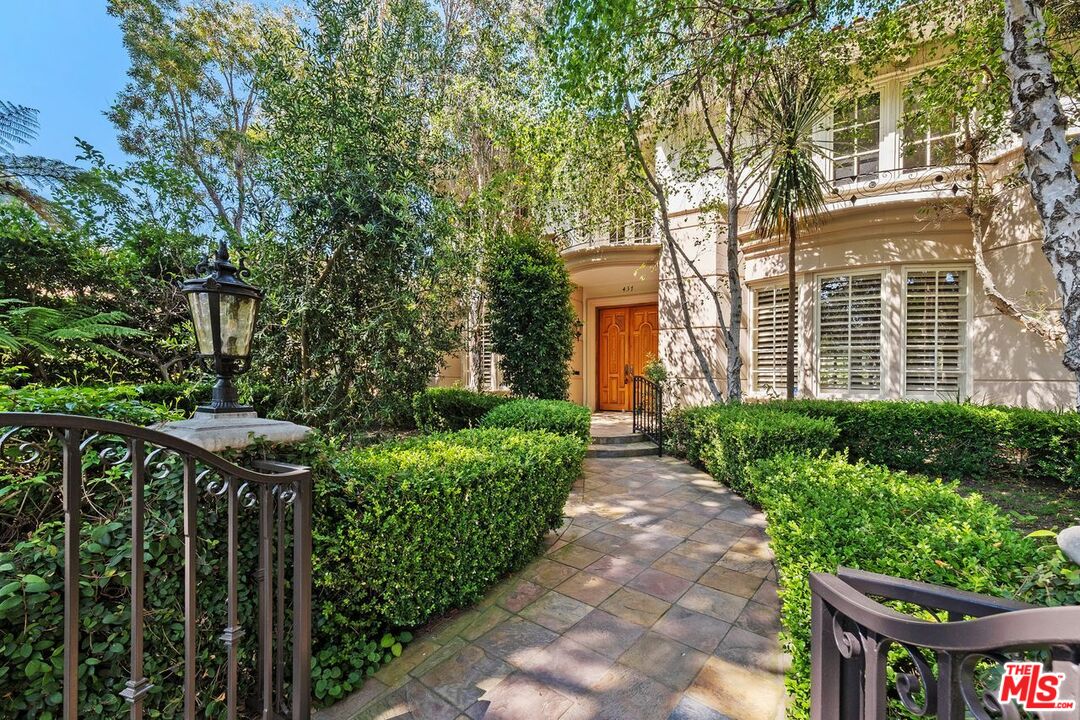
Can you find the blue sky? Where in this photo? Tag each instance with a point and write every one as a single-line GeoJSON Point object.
{"type": "Point", "coordinates": [66, 58]}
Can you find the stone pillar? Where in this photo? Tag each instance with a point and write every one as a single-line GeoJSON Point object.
{"type": "Point", "coordinates": [216, 432]}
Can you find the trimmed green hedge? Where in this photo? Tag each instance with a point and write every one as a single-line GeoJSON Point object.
{"type": "Point", "coordinates": [726, 439]}
{"type": "Point", "coordinates": [953, 440]}
{"type": "Point", "coordinates": [451, 408]}
{"type": "Point", "coordinates": [402, 531]}
{"type": "Point", "coordinates": [557, 416]}
{"type": "Point", "coordinates": [825, 512]}
{"type": "Point", "coordinates": [116, 402]}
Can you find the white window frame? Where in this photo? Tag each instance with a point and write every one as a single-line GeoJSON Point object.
{"type": "Point", "coordinates": [752, 326]}
{"type": "Point", "coordinates": [925, 139]}
{"type": "Point", "coordinates": [967, 310]}
{"type": "Point", "coordinates": [849, 394]}
{"type": "Point", "coordinates": [883, 161]}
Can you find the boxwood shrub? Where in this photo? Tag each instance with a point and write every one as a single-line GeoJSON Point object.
{"type": "Point", "coordinates": [557, 416]}
{"type": "Point", "coordinates": [412, 529]}
{"type": "Point", "coordinates": [402, 531]}
{"type": "Point", "coordinates": [825, 512]}
{"type": "Point", "coordinates": [452, 408]}
{"type": "Point", "coordinates": [953, 440]}
{"type": "Point", "coordinates": [726, 439]}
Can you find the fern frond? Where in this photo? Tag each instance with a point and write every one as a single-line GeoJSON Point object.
{"type": "Point", "coordinates": [18, 124]}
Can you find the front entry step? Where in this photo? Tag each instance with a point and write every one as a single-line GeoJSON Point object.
{"type": "Point", "coordinates": [620, 450]}
{"type": "Point", "coordinates": [617, 439]}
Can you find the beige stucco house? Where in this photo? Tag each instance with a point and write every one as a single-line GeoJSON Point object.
{"type": "Point", "coordinates": [889, 302]}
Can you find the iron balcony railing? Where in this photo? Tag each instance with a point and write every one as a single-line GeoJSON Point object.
{"type": "Point", "coordinates": [648, 411]}
{"type": "Point", "coordinates": [83, 450]}
{"type": "Point", "coordinates": [869, 660]}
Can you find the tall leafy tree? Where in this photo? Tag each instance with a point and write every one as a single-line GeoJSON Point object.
{"type": "Point", "coordinates": [364, 281]}
{"type": "Point", "coordinates": [191, 100]}
{"type": "Point", "coordinates": [790, 108]}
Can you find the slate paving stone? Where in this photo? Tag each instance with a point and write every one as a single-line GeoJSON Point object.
{"type": "Point", "coordinates": [735, 560]}
{"type": "Point", "coordinates": [635, 606]}
{"type": "Point", "coordinates": [463, 678]}
{"type": "Point", "coordinates": [708, 552]}
{"type": "Point", "coordinates": [577, 556]}
{"type": "Point", "coordinates": [412, 701]}
{"type": "Point", "coordinates": [660, 584]}
{"type": "Point", "coordinates": [520, 595]}
{"type": "Point", "coordinates": [605, 633]}
{"type": "Point", "coordinates": [601, 542]}
{"type": "Point", "coordinates": [556, 611]}
{"type": "Point", "coordinates": [665, 660]}
{"type": "Point", "coordinates": [549, 573]}
{"type": "Point", "coordinates": [759, 619]}
{"type": "Point", "coordinates": [519, 697]}
{"type": "Point", "coordinates": [731, 581]}
{"type": "Point", "coordinates": [690, 709]}
{"type": "Point", "coordinates": [588, 588]}
{"type": "Point", "coordinates": [681, 566]}
{"type": "Point", "coordinates": [568, 666]}
{"type": "Point", "coordinates": [738, 692]}
{"type": "Point", "coordinates": [720, 605]}
{"type": "Point", "coordinates": [767, 595]}
{"type": "Point", "coordinates": [752, 651]}
{"type": "Point", "coordinates": [624, 694]}
{"type": "Point", "coordinates": [698, 630]}
{"type": "Point", "coordinates": [617, 570]}
{"type": "Point", "coordinates": [483, 622]}
{"type": "Point", "coordinates": [514, 640]}
{"type": "Point", "coordinates": [757, 548]}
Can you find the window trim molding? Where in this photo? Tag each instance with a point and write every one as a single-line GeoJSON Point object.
{"type": "Point", "coordinates": [968, 314]}
{"type": "Point", "coordinates": [882, 272]}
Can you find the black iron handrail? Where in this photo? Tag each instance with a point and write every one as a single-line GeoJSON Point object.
{"type": "Point", "coordinates": [853, 633]}
{"type": "Point", "coordinates": [28, 439]}
{"type": "Point", "coordinates": [648, 408]}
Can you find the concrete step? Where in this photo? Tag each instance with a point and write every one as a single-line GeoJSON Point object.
{"type": "Point", "coordinates": [617, 439]}
{"type": "Point", "coordinates": [623, 450]}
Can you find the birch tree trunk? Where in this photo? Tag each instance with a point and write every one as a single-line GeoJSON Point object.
{"type": "Point", "coordinates": [1041, 123]}
{"type": "Point", "coordinates": [733, 335]}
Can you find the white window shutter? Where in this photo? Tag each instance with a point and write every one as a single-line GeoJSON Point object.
{"type": "Point", "coordinates": [935, 332]}
{"type": "Point", "coordinates": [770, 338]}
{"type": "Point", "coordinates": [849, 333]}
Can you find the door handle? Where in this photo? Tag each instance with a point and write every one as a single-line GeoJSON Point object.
{"type": "Point", "coordinates": [628, 372]}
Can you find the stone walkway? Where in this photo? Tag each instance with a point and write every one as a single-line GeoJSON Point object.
{"type": "Point", "coordinates": [655, 601]}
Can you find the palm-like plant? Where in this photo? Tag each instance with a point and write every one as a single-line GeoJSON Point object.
{"type": "Point", "coordinates": [18, 126]}
{"type": "Point", "coordinates": [789, 108]}
{"type": "Point", "coordinates": [34, 333]}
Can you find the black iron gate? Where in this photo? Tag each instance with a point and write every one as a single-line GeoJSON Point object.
{"type": "Point", "coordinates": [945, 663]}
{"type": "Point", "coordinates": [278, 494]}
{"type": "Point", "coordinates": [648, 408]}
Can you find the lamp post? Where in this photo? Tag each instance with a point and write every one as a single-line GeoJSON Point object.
{"type": "Point", "coordinates": [223, 309]}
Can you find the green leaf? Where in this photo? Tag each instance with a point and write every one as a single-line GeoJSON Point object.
{"type": "Point", "coordinates": [1041, 534]}
{"type": "Point", "coordinates": [387, 640]}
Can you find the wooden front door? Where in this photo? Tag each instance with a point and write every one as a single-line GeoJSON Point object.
{"type": "Point", "coordinates": [628, 337]}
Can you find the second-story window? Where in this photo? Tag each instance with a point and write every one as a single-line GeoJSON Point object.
{"type": "Point", "coordinates": [928, 144]}
{"type": "Point", "coordinates": [856, 138]}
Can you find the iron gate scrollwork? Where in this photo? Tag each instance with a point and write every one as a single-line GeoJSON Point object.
{"type": "Point", "coordinates": [278, 494]}
{"type": "Point", "coordinates": [648, 409]}
{"type": "Point", "coordinates": [945, 664]}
